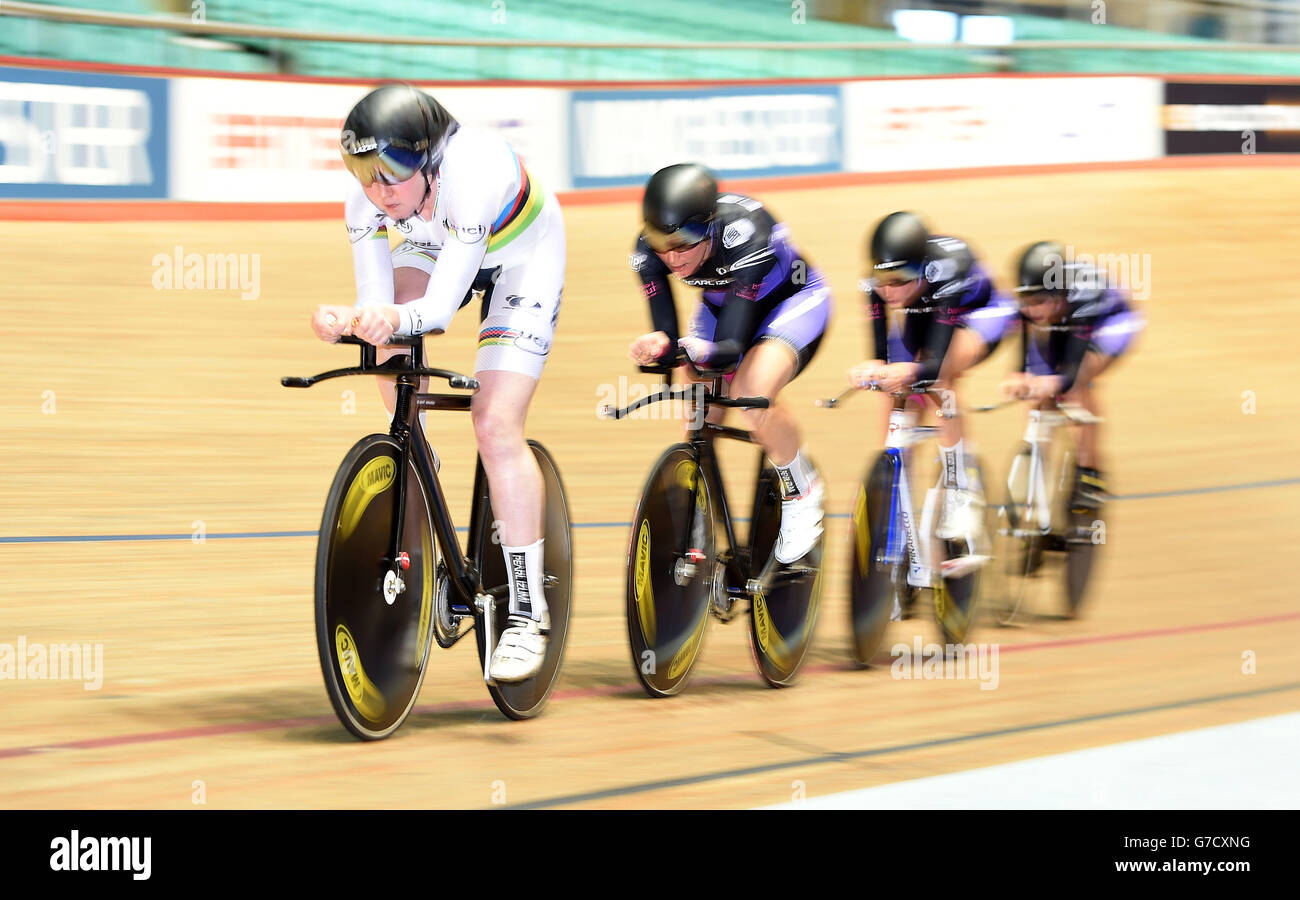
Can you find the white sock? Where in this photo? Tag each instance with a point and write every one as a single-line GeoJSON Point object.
{"type": "Point", "coordinates": [954, 466]}
{"type": "Point", "coordinates": [796, 477]}
{"type": "Point", "coordinates": [525, 572]}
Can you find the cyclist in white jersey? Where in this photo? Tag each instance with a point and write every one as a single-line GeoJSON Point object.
{"type": "Point", "coordinates": [461, 198]}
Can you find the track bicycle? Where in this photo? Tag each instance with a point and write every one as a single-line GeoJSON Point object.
{"type": "Point", "coordinates": [893, 556]}
{"type": "Point", "coordinates": [679, 573]}
{"type": "Point", "coordinates": [1033, 517]}
{"type": "Point", "coordinates": [391, 576]}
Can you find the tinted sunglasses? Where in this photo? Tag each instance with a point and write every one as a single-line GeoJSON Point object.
{"type": "Point", "coordinates": [894, 274]}
{"type": "Point", "coordinates": [1033, 296]}
{"type": "Point", "coordinates": [387, 161]}
{"type": "Point", "coordinates": [677, 237]}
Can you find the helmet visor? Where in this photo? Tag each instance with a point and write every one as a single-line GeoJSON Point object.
{"type": "Point", "coordinates": [1034, 294]}
{"type": "Point", "coordinates": [891, 273]}
{"type": "Point", "coordinates": [388, 161]}
{"type": "Point", "coordinates": [678, 237]}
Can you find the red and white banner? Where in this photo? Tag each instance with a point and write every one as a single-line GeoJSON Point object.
{"type": "Point", "coordinates": [959, 123]}
{"type": "Point", "coordinates": [278, 141]}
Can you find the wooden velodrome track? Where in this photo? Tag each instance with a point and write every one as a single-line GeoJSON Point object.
{"type": "Point", "coordinates": [168, 417]}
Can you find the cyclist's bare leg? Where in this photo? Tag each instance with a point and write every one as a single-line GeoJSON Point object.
{"type": "Point", "coordinates": [514, 480]}
{"type": "Point", "coordinates": [1084, 394]}
{"type": "Point", "coordinates": [966, 349]}
{"type": "Point", "coordinates": [766, 369]}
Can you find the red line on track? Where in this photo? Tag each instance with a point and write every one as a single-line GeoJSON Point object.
{"type": "Point", "coordinates": [577, 693]}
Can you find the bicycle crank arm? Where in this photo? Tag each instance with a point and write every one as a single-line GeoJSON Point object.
{"type": "Point", "coordinates": [487, 605]}
{"type": "Point", "coordinates": [776, 574]}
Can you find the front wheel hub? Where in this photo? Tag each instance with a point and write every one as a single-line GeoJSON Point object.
{"type": "Point", "coordinates": [393, 585]}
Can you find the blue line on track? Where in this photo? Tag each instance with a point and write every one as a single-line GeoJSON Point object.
{"type": "Point", "coordinates": [237, 535]}
{"type": "Point", "coordinates": [834, 757]}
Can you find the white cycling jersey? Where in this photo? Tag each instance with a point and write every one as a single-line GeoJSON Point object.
{"type": "Point", "coordinates": [488, 215]}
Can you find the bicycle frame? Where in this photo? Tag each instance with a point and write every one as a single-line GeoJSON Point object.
{"type": "Point", "coordinates": [737, 561]}
{"type": "Point", "coordinates": [903, 537]}
{"type": "Point", "coordinates": [409, 435]}
{"type": "Point", "coordinates": [738, 564]}
{"type": "Point", "coordinates": [1039, 432]}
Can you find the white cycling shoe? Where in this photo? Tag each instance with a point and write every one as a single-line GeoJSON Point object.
{"type": "Point", "coordinates": [801, 526]}
{"type": "Point", "coordinates": [521, 651]}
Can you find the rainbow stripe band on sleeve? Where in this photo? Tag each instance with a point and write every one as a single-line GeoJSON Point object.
{"type": "Point", "coordinates": [381, 233]}
{"type": "Point", "coordinates": [497, 337]}
{"type": "Point", "coordinates": [518, 214]}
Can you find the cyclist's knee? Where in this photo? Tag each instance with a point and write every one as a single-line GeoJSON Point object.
{"type": "Point", "coordinates": [498, 432]}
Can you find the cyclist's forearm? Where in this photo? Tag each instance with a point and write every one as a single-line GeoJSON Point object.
{"type": "Point", "coordinates": [940, 339]}
{"type": "Point", "coordinates": [454, 273]}
{"type": "Point", "coordinates": [663, 312]}
{"type": "Point", "coordinates": [1074, 353]}
{"type": "Point", "coordinates": [879, 330]}
{"type": "Point", "coordinates": [737, 325]}
{"type": "Point", "coordinates": [373, 267]}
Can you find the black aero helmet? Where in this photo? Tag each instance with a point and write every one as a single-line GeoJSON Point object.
{"type": "Point", "coordinates": [1041, 267]}
{"type": "Point", "coordinates": [898, 247]}
{"type": "Point", "coordinates": [678, 206]}
{"type": "Point", "coordinates": [393, 133]}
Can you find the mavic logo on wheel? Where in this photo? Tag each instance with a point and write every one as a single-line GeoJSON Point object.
{"type": "Point", "coordinates": [374, 478]}
{"type": "Point", "coordinates": [641, 589]}
{"type": "Point", "coordinates": [365, 695]}
{"type": "Point", "coordinates": [774, 645]}
{"type": "Point", "coordinates": [681, 660]}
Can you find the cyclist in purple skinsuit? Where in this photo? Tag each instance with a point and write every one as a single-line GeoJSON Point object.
{"type": "Point", "coordinates": [1073, 327]}
{"type": "Point", "coordinates": [764, 310]}
{"type": "Point", "coordinates": [952, 317]}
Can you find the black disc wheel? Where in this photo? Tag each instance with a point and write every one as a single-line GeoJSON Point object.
{"type": "Point", "coordinates": [525, 699]}
{"type": "Point", "coordinates": [373, 611]}
{"type": "Point", "coordinates": [670, 572]}
{"type": "Point", "coordinates": [875, 587]}
{"type": "Point", "coordinates": [783, 617]}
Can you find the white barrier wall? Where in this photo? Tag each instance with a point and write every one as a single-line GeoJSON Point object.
{"type": "Point", "coordinates": [279, 140]}
{"type": "Point", "coordinates": [956, 123]}
{"type": "Point", "coordinates": [73, 135]}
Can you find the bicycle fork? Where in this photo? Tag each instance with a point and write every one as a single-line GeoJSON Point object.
{"type": "Point", "coordinates": [1038, 434]}
{"type": "Point", "coordinates": [903, 538]}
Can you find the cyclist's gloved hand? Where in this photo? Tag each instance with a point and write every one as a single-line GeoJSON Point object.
{"type": "Point", "coordinates": [897, 376]}
{"type": "Point", "coordinates": [1016, 386]}
{"type": "Point", "coordinates": [332, 322]}
{"type": "Point", "coordinates": [864, 373]}
{"type": "Point", "coordinates": [650, 349]}
{"type": "Point", "coordinates": [376, 324]}
{"type": "Point", "coordinates": [1044, 387]}
{"type": "Point", "coordinates": [698, 350]}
